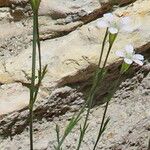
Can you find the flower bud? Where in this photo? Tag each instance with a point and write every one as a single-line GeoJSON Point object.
{"type": "Point", "coordinates": [35, 4]}
{"type": "Point", "coordinates": [124, 67]}
{"type": "Point", "coordinates": [112, 38]}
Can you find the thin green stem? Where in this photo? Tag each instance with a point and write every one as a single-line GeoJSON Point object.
{"type": "Point", "coordinates": [101, 127]}
{"type": "Point", "coordinates": [76, 119]}
{"type": "Point", "coordinates": [33, 60]}
{"type": "Point", "coordinates": [85, 125]}
{"type": "Point", "coordinates": [32, 89]}
{"type": "Point", "coordinates": [82, 132]}
{"type": "Point", "coordinates": [107, 55]}
{"type": "Point", "coordinates": [105, 111]}
{"type": "Point", "coordinates": [39, 48]}
{"type": "Point", "coordinates": [40, 60]}
{"type": "Point", "coordinates": [103, 46]}
{"type": "Point", "coordinates": [31, 128]}
{"type": "Point", "coordinates": [93, 90]}
{"type": "Point", "coordinates": [88, 102]}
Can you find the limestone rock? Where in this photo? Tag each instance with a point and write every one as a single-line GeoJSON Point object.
{"type": "Point", "coordinates": [13, 97]}
{"type": "Point", "coordinates": [80, 49]}
{"type": "Point", "coordinates": [71, 46]}
{"type": "Point", "coordinates": [72, 58]}
{"type": "Point", "coordinates": [128, 128]}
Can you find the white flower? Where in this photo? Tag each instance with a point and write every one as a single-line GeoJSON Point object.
{"type": "Point", "coordinates": [115, 24]}
{"type": "Point", "coordinates": [129, 55]}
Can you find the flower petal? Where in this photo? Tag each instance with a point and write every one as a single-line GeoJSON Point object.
{"type": "Point", "coordinates": [120, 53]}
{"type": "Point", "coordinates": [109, 17]}
{"type": "Point", "coordinates": [129, 48]}
{"type": "Point", "coordinates": [102, 24]}
{"type": "Point", "coordinates": [127, 29]}
{"type": "Point", "coordinates": [139, 62]}
{"type": "Point", "coordinates": [138, 57]}
{"type": "Point", "coordinates": [125, 21]}
{"type": "Point", "coordinates": [113, 30]}
{"type": "Point", "coordinates": [125, 25]}
{"type": "Point", "coordinates": [128, 61]}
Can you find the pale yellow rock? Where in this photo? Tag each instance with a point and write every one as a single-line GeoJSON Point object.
{"type": "Point", "coordinates": [11, 29]}
{"type": "Point", "coordinates": [67, 55]}
{"type": "Point", "coordinates": [64, 7]}
{"type": "Point", "coordinates": [13, 97]}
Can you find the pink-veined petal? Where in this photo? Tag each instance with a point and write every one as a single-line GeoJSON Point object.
{"type": "Point", "coordinates": [125, 21]}
{"type": "Point", "coordinates": [127, 29]}
{"type": "Point", "coordinates": [128, 61]}
{"type": "Point", "coordinates": [109, 17]}
{"type": "Point", "coordinates": [139, 62]}
{"type": "Point", "coordinates": [113, 30]}
{"type": "Point", "coordinates": [120, 54]}
{"type": "Point", "coordinates": [138, 56]}
{"type": "Point", "coordinates": [129, 48]}
{"type": "Point", "coordinates": [102, 24]}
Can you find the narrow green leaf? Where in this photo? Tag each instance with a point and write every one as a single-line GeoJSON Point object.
{"type": "Point", "coordinates": [58, 132]}
{"type": "Point", "coordinates": [44, 71]}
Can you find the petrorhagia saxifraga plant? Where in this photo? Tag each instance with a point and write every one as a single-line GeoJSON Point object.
{"type": "Point", "coordinates": [113, 25]}
{"type": "Point", "coordinates": [129, 57]}
{"type": "Point", "coordinates": [35, 85]}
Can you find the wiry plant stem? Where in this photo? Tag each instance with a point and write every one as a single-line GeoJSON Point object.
{"type": "Point", "coordinates": [40, 60]}
{"type": "Point", "coordinates": [32, 88]}
{"type": "Point", "coordinates": [31, 128]}
{"type": "Point", "coordinates": [103, 46]}
{"type": "Point", "coordinates": [102, 126]}
{"type": "Point", "coordinates": [96, 81]}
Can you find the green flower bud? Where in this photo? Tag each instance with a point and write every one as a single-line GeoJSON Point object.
{"type": "Point", "coordinates": [124, 67]}
{"type": "Point", "coordinates": [112, 38]}
{"type": "Point", "coordinates": [35, 4]}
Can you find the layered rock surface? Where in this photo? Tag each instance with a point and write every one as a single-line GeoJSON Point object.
{"type": "Point", "coordinates": [71, 45]}
{"type": "Point", "coordinates": [57, 18]}
{"type": "Point", "coordinates": [70, 58]}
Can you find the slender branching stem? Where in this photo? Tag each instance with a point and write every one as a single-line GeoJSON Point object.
{"type": "Point", "coordinates": [93, 90]}
{"type": "Point", "coordinates": [39, 60]}
{"type": "Point", "coordinates": [32, 88]}
{"type": "Point", "coordinates": [101, 130]}
{"type": "Point", "coordinates": [101, 127]}
{"type": "Point", "coordinates": [31, 128]}
{"type": "Point", "coordinates": [97, 78]}
{"type": "Point", "coordinates": [82, 130]}
{"type": "Point", "coordinates": [78, 116]}
{"type": "Point", "coordinates": [107, 103]}
{"type": "Point", "coordinates": [103, 46]}
{"type": "Point", "coordinates": [107, 55]}
{"type": "Point", "coordinates": [39, 48]}
{"type": "Point", "coordinates": [71, 125]}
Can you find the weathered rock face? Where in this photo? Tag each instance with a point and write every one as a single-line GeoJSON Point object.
{"type": "Point", "coordinates": [71, 45]}
{"type": "Point", "coordinates": [57, 18]}
{"type": "Point", "coordinates": [128, 128]}
{"type": "Point", "coordinates": [77, 60]}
